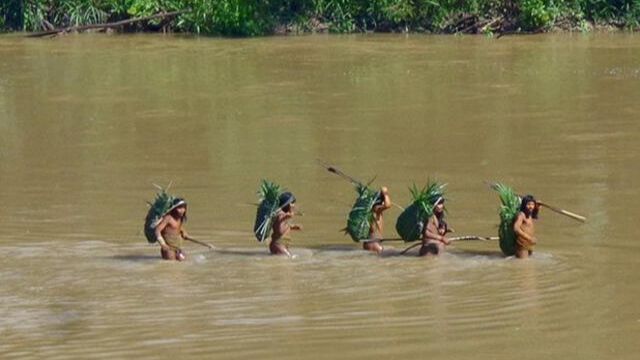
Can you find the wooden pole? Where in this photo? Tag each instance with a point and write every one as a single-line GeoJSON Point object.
{"type": "Point", "coordinates": [457, 238]}
{"type": "Point", "coordinates": [574, 216]}
{"type": "Point", "coordinates": [162, 15]}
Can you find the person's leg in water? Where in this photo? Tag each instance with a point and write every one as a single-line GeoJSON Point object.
{"type": "Point", "coordinates": [373, 245]}
{"type": "Point", "coordinates": [177, 254]}
{"type": "Point", "coordinates": [523, 253]}
{"type": "Point", "coordinates": [276, 247]}
{"type": "Point", "coordinates": [431, 248]}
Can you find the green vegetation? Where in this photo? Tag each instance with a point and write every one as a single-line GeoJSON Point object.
{"type": "Point", "coordinates": [361, 214]}
{"type": "Point", "coordinates": [253, 17]}
{"type": "Point", "coordinates": [412, 220]}
{"type": "Point", "coordinates": [269, 195]}
{"type": "Point", "coordinates": [510, 205]}
{"type": "Point", "coordinates": [157, 209]}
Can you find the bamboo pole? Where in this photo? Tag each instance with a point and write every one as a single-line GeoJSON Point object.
{"type": "Point", "coordinates": [574, 216]}
{"type": "Point", "coordinates": [457, 238]}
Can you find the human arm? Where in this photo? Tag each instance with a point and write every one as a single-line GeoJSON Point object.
{"type": "Point", "coordinates": [518, 229]}
{"type": "Point", "coordinates": [386, 201]}
{"type": "Point", "coordinates": [431, 232]}
{"type": "Point", "coordinates": [188, 237]}
{"type": "Point", "coordinates": [158, 233]}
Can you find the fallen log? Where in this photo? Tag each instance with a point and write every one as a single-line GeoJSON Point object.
{"type": "Point", "coordinates": [68, 29]}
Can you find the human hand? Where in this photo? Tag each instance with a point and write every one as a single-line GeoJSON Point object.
{"type": "Point", "coordinates": [384, 190]}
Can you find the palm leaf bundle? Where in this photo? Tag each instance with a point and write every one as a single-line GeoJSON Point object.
{"type": "Point", "coordinates": [508, 211]}
{"type": "Point", "coordinates": [157, 209]}
{"type": "Point", "coordinates": [269, 195]}
{"type": "Point", "coordinates": [411, 221]}
{"type": "Point", "coordinates": [361, 214]}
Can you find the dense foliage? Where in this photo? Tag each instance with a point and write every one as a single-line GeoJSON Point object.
{"type": "Point", "coordinates": [509, 207]}
{"type": "Point", "coordinates": [157, 209]}
{"type": "Point", "coordinates": [361, 215]}
{"type": "Point", "coordinates": [412, 220]}
{"type": "Point", "coordinates": [259, 17]}
{"type": "Point", "coordinates": [269, 195]}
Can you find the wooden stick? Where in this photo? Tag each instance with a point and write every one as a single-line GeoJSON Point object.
{"type": "Point", "coordinates": [108, 25]}
{"type": "Point", "coordinates": [380, 240]}
{"type": "Point", "coordinates": [200, 242]}
{"type": "Point", "coordinates": [564, 212]}
{"type": "Point", "coordinates": [409, 248]}
{"type": "Point", "coordinates": [336, 171]}
{"type": "Point", "coordinates": [457, 238]}
{"type": "Point", "coordinates": [339, 173]}
{"type": "Point", "coordinates": [574, 216]}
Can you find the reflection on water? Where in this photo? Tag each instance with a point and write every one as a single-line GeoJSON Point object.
{"type": "Point", "coordinates": [88, 123]}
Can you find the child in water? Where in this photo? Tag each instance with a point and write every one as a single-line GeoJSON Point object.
{"type": "Point", "coordinates": [376, 228]}
{"type": "Point", "coordinates": [434, 239]}
{"type": "Point", "coordinates": [170, 233]}
{"type": "Point", "coordinates": [281, 226]}
{"type": "Point", "coordinates": [524, 227]}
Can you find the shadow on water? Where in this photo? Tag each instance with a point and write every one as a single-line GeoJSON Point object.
{"type": "Point", "coordinates": [246, 252]}
{"type": "Point", "coordinates": [493, 254]}
{"type": "Point", "coordinates": [136, 258]}
{"type": "Point", "coordinates": [339, 247]}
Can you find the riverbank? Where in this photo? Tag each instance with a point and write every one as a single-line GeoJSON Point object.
{"type": "Point", "coordinates": [244, 18]}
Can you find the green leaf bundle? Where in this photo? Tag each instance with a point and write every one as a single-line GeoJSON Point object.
{"type": "Point", "coordinates": [412, 220]}
{"type": "Point", "coordinates": [269, 195]}
{"type": "Point", "coordinates": [509, 208]}
{"type": "Point", "coordinates": [157, 210]}
{"type": "Point", "coordinates": [361, 214]}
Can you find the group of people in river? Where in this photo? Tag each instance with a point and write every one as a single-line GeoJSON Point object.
{"type": "Point", "coordinates": [169, 232]}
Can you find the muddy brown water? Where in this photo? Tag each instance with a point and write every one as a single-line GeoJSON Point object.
{"type": "Point", "coordinates": [88, 123]}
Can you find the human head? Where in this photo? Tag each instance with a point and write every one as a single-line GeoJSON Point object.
{"type": "Point", "coordinates": [380, 196]}
{"type": "Point", "coordinates": [438, 206]}
{"type": "Point", "coordinates": [286, 200]}
{"type": "Point", "coordinates": [178, 208]}
{"type": "Point", "coordinates": [529, 206]}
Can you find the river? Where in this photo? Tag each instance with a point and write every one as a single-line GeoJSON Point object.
{"type": "Point", "coordinates": [89, 122]}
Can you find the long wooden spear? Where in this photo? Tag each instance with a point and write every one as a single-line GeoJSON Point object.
{"type": "Point", "coordinates": [574, 216]}
{"type": "Point", "coordinates": [200, 243]}
{"type": "Point", "coordinates": [337, 171]}
{"type": "Point", "coordinates": [457, 238]}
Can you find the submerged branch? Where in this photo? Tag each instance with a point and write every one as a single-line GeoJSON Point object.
{"type": "Point", "coordinates": [162, 15]}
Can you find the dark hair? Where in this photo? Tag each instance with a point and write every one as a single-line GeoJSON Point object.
{"type": "Point", "coordinates": [178, 203]}
{"type": "Point", "coordinates": [523, 206]}
{"type": "Point", "coordinates": [379, 199]}
{"type": "Point", "coordinates": [442, 224]}
{"type": "Point", "coordinates": [286, 199]}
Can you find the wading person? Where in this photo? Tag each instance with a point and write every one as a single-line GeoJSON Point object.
{"type": "Point", "coordinates": [170, 232]}
{"type": "Point", "coordinates": [281, 225]}
{"type": "Point", "coordinates": [434, 235]}
{"type": "Point", "coordinates": [524, 227]}
{"type": "Point", "coordinates": [376, 229]}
